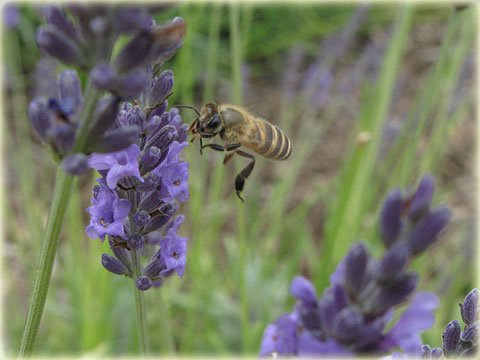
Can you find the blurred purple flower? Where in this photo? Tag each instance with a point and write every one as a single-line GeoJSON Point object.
{"type": "Point", "coordinates": [351, 315]}
{"type": "Point", "coordinates": [11, 15]}
{"type": "Point", "coordinates": [107, 213]}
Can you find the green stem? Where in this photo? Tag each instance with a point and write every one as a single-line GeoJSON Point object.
{"type": "Point", "coordinates": [63, 189]}
{"type": "Point", "coordinates": [139, 305]}
{"type": "Point", "coordinates": [61, 197]}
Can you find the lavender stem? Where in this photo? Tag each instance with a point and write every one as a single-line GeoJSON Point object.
{"type": "Point", "coordinates": [139, 305]}
{"type": "Point", "coordinates": [63, 189]}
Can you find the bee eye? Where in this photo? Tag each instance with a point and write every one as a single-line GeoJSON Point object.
{"type": "Point", "coordinates": [214, 122]}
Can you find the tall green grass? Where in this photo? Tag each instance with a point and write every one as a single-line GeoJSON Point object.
{"type": "Point", "coordinates": [242, 257]}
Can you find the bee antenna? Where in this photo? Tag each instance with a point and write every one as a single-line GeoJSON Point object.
{"type": "Point", "coordinates": [188, 107]}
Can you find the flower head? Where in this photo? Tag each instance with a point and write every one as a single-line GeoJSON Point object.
{"type": "Point", "coordinates": [107, 213]}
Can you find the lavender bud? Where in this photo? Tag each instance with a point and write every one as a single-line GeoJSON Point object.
{"type": "Point", "coordinates": [164, 214]}
{"type": "Point", "coordinates": [355, 266]}
{"type": "Point", "coordinates": [150, 184]}
{"type": "Point", "coordinates": [390, 217]}
{"type": "Point", "coordinates": [150, 158]}
{"type": "Point", "coordinates": [121, 254]}
{"type": "Point", "coordinates": [62, 138]}
{"type": "Point", "coordinates": [153, 125]}
{"type": "Point", "coordinates": [135, 53]}
{"type": "Point", "coordinates": [426, 231]}
{"type": "Point", "coordinates": [421, 199]}
{"type": "Point", "coordinates": [56, 17]}
{"type": "Point", "coordinates": [451, 335]}
{"type": "Point", "coordinates": [132, 84]}
{"type": "Point", "coordinates": [348, 324]}
{"type": "Point", "coordinates": [333, 300]}
{"type": "Point", "coordinates": [132, 116]}
{"type": "Point", "coordinates": [103, 76]}
{"type": "Point", "coordinates": [130, 20]}
{"type": "Point", "coordinates": [113, 265]}
{"type": "Point", "coordinates": [141, 219]}
{"type": "Point", "coordinates": [160, 110]}
{"type": "Point", "coordinates": [58, 45]}
{"type": "Point", "coordinates": [167, 39]}
{"type": "Point", "coordinates": [103, 118]}
{"type": "Point", "coordinates": [395, 291]}
{"type": "Point", "coordinates": [470, 334]}
{"type": "Point", "coordinates": [393, 261]}
{"type": "Point", "coordinates": [153, 268]}
{"type": "Point", "coordinates": [163, 138]}
{"type": "Point", "coordinates": [40, 117]}
{"type": "Point", "coordinates": [136, 241]}
{"type": "Point", "coordinates": [303, 290]}
{"type": "Point", "coordinates": [160, 88]}
{"type": "Point", "coordinates": [70, 88]}
{"type": "Point", "coordinates": [469, 309]}
{"type": "Point", "coordinates": [115, 140]}
{"type": "Point", "coordinates": [426, 352]}
{"type": "Point", "coordinates": [143, 283]}
{"type": "Point", "coordinates": [75, 164]}
{"type": "Point", "coordinates": [437, 353]}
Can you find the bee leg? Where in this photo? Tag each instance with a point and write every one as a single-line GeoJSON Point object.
{"type": "Point", "coordinates": [215, 147]}
{"type": "Point", "coordinates": [201, 146]}
{"type": "Point", "coordinates": [244, 174]}
{"type": "Point", "coordinates": [231, 147]}
{"type": "Point", "coordinates": [228, 157]}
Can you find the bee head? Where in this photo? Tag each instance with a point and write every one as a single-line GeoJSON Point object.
{"type": "Point", "coordinates": [209, 120]}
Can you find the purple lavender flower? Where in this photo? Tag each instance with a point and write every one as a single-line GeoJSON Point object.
{"type": "Point", "coordinates": [85, 40]}
{"type": "Point", "coordinates": [280, 338]}
{"type": "Point", "coordinates": [118, 165]}
{"type": "Point", "coordinates": [107, 213]}
{"type": "Point", "coordinates": [352, 314]}
{"type": "Point", "coordinates": [150, 176]}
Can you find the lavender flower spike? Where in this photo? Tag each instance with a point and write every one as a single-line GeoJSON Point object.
{"type": "Point", "coordinates": [351, 316]}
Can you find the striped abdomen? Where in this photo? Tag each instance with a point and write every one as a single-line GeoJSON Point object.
{"type": "Point", "coordinates": [270, 142]}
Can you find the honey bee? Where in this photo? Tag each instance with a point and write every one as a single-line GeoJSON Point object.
{"type": "Point", "coordinates": [239, 129]}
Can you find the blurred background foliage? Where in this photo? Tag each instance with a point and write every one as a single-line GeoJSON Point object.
{"type": "Point", "coordinates": [372, 96]}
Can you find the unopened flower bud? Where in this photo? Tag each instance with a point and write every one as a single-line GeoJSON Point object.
{"type": "Point", "coordinates": [164, 213]}
{"type": "Point", "coordinates": [390, 217]}
{"type": "Point", "coordinates": [56, 17]}
{"type": "Point", "coordinates": [160, 88]}
{"type": "Point", "coordinates": [421, 199]}
{"type": "Point", "coordinates": [70, 88]}
{"type": "Point", "coordinates": [393, 261]}
{"type": "Point", "coordinates": [470, 334]}
{"type": "Point", "coordinates": [58, 45]}
{"type": "Point", "coordinates": [40, 117]}
{"type": "Point", "coordinates": [135, 53]}
{"type": "Point", "coordinates": [151, 157]}
{"type": "Point", "coordinates": [469, 309]}
{"type": "Point", "coordinates": [451, 336]}
{"type": "Point", "coordinates": [136, 241]}
{"type": "Point", "coordinates": [355, 267]}
{"type": "Point", "coordinates": [153, 268]}
{"type": "Point", "coordinates": [75, 164]}
{"type": "Point", "coordinates": [143, 283]}
{"type": "Point", "coordinates": [348, 324]}
{"type": "Point", "coordinates": [115, 140]}
{"type": "Point", "coordinates": [427, 230]}
{"type": "Point", "coordinates": [303, 290]}
{"type": "Point", "coordinates": [141, 219]}
{"type": "Point", "coordinates": [113, 265]}
{"type": "Point", "coordinates": [395, 291]}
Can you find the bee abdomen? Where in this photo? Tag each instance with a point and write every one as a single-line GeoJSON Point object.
{"type": "Point", "coordinates": [272, 142]}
